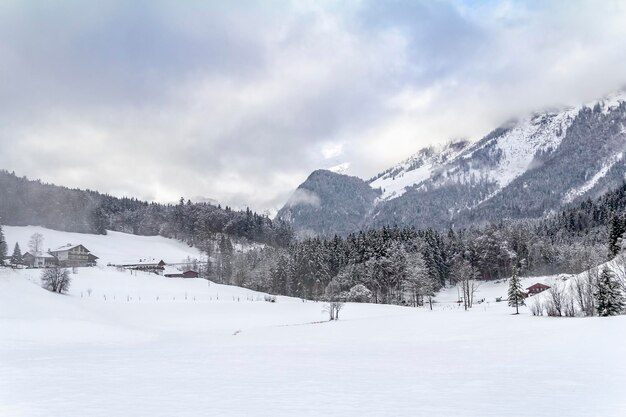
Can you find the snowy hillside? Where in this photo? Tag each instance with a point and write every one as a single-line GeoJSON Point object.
{"type": "Point", "coordinates": [113, 248]}
{"type": "Point", "coordinates": [144, 345]}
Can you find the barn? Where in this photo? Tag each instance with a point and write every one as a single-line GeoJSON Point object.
{"type": "Point", "coordinates": [147, 265]}
{"type": "Point", "coordinates": [175, 273]}
{"type": "Point", "coordinates": [39, 260]}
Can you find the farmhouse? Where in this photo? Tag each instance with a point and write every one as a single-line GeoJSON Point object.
{"type": "Point", "coordinates": [39, 260]}
{"type": "Point", "coordinates": [175, 273]}
{"type": "Point", "coordinates": [74, 255]}
{"type": "Point", "coordinates": [536, 289]}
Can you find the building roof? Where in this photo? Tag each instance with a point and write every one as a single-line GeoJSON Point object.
{"type": "Point", "coordinates": [171, 270]}
{"type": "Point", "coordinates": [143, 262]}
{"type": "Point", "coordinates": [538, 285]}
{"type": "Point", "coordinates": [40, 255]}
{"type": "Point", "coordinates": [67, 247]}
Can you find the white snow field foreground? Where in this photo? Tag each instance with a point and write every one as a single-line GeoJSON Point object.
{"type": "Point", "coordinates": [191, 354]}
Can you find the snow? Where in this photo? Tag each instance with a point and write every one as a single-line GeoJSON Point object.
{"type": "Point", "coordinates": [609, 102]}
{"type": "Point", "coordinates": [181, 347]}
{"type": "Point", "coordinates": [523, 141]}
{"type": "Point", "coordinates": [395, 185]}
{"type": "Point", "coordinates": [519, 146]}
{"type": "Point", "coordinates": [589, 184]}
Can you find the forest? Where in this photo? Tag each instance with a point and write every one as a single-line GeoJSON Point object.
{"type": "Point", "coordinates": [406, 265]}
{"type": "Point", "coordinates": [26, 202]}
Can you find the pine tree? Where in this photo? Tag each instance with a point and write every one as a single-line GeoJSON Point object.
{"type": "Point", "coordinates": [516, 293]}
{"type": "Point", "coordinates": [16, 258]}
{"type": "Point", "coordinates": [608, 296]}
{"type": "Point", "coordinates": [615, 236]}
{"type": "Point", "coordinates": [3, 247]}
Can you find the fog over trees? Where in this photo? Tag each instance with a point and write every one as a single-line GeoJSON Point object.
{"type": "Point", "coordinates": [26, 202]}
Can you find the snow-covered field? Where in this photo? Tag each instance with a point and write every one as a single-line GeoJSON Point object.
{"type": "Point", "coordinates": [180, 347]}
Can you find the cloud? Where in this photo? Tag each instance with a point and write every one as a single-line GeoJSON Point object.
{"type": "Point", "coordinates": [340, 168]}
{"type": "Point", "coordinates": [303, 196]}
{"type": "Point", "coordinates": [240, 102]}
{"type": "Point", "coordinates": [332, 150]}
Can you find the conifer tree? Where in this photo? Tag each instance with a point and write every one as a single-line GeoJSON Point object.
{"type": "Point", "coordinates": [16, 258]}
{"type": "Point", "coordinates": [3, 247]}
{"type": "Point", "coordinates": [615, 236]}
{"type": "Point", "coordinates": [516, 293]}
{"type": "Point", "coordinates": [608, 296]}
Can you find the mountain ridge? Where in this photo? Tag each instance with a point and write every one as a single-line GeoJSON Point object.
{"type": "Point", "coordinates": [525, 168]}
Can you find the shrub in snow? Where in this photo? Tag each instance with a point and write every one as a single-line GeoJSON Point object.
{"type": "Point", "coordinates": [536, 308]}
{"type": "Point", "coordinates": [569, 304]}
{"type": "Point", "coordinates": [56, 279]}
{"type": "Point", "coordinates": [583, 289]}
{"type": "Point", "coordinates": [359, 294]}
{"type": "Point", "coordinates": [556, 300]}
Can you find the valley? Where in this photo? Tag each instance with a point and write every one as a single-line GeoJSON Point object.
{"type": "Point", "coordinates": [170, 346]}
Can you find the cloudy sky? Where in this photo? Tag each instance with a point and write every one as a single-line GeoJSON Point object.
{"type": "Point", "coordinates": [240, 101]}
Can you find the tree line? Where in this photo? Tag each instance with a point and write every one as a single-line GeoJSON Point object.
{"type": "Point", "coordinates": [24, 202]}
{"type": "Point", "coordinates": [406, 265]}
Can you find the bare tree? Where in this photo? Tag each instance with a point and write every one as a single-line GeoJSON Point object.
{"type": "Point", "coordinates": [35, 244]}
{"type": "Point", "coordinates": [417, 281]}
{"type": "Point", "coordinates": [334, 296]}
{"type": "Point", "coordinates": [555, 304]}
{"type": "Point", "coordinates": [333, 308]}
{"type": "Point", "coordinates": [465, 275]}
{"type": "Point", "coordinates": [619, 269]}
{"type": "Point", "coordinates": [583, 287]}
{"type": "Point", "coordinates": [56, 279]}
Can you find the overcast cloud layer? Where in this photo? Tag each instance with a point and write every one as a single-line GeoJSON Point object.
{"type": "Point", "coordinates": [240, 102]}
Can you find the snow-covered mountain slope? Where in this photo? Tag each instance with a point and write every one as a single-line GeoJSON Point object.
{"type": "Point", "coordinates": [524, 169]}
{"type": "Point", "coordinates": [511, 152]}
{"type": "Point", "coordinates": [160, 347]}
{"type": "Point", "coordinates": [419, 167]}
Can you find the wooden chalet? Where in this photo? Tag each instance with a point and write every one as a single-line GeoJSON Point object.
{"type": "Point", "coordinates": [536, 289]}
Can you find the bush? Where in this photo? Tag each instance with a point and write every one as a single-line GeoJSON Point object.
{"type": "Point", "coordinates": [56, 279]}
{"type": "Point", "coordinates": [359, 294]}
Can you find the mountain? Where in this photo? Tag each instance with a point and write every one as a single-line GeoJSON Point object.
{"type": "Point", "coordinates": [524, 169]}
{"type": "Point", "coordinates": [328, 202]}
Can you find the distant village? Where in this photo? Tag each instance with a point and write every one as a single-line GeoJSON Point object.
{"type": "Point", "coordinates": [78, 256]}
